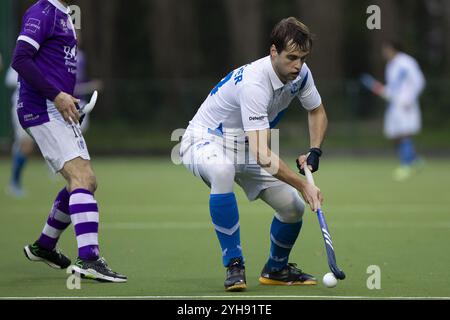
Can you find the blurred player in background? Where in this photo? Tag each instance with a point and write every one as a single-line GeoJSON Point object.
{"type": "Point", "coordinates": [248, 103]}
{"type": "Point", "coordinates": [404, 85]}
{"type": "Point", "coordinates": [84, 86]}
{"type": "Point", "coordinates": [45, 58]}
{"type": "Point", "coordinates": [23, 145]}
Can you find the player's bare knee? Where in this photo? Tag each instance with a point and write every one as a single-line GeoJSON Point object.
{"type": "Point", "coordinates": [85, 181]}
{"type": "Point", "coordinates": [92, 183]}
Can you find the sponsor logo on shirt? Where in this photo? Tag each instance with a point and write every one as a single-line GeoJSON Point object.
{"type": "Point", "coordinates": [71, 52]}
{"type": "Point", "coordinates": [46, 11]}
{"type": "Point", "coordinates": [32, 25]}
{"type": "Point", "coordinates": [64, 25]}
{"type": "Point", "coordinates": [30, 117]}
{"type": "Point", "coordinates": [256, 118]}
{"type": "Point", "coordinates": [71, 57]}
{"type": "Point", "coordinates": [295, 87]}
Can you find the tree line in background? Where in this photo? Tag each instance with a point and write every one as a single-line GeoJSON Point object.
{"type": "Point", "coordinates": [159, 58]}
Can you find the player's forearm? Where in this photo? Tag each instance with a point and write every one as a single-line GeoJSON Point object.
{"type": "Point", "coordinates": [318, 124]}
{"type": "Point", "coordinates": [285, 174]}
{"type": "Point", "coordinates": [270, 161]}
{"type": "Point", "coordinates": [85, 88]}
{"type": "Point", "coordinates": [27, 69]}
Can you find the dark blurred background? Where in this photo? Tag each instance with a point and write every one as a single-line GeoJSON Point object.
{"type": "Point", "coordinates": [158, 59]}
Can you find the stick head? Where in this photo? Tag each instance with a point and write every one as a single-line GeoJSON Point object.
{"type": "Point", "coordinates": [87, 108]}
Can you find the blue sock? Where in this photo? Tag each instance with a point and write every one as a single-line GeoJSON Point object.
{"type": "Point", "coordinates": [19, 161]}
{"type": "Point", "coordinates": [282, 237]}
{"type": "Point", "coordinates": [225, 217]}
{"type": "Point", "coordinates": [407, 151]}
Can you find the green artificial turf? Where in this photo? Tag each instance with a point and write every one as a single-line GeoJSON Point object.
{"type": "Point", "coordinates": [155, 228]}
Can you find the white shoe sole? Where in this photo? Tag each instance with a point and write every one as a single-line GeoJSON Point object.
{"type": "Point", "coordinates": [34, 258]}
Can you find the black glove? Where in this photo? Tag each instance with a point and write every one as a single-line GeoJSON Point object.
{"type": "Point", "coordinates": [312, 160]}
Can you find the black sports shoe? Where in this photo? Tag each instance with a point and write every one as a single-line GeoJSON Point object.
{"type": "Point", "coordinates": [288, 276]}
{"type": "Point", "coordinates": [97, 270]}
{"type": "Point", "coordinates": [54, 258]}
{"type": "Point", "coordinates": [235, 280]}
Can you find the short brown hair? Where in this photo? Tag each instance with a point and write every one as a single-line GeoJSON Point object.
{"type": "Point", "coordinates": [291, 31]}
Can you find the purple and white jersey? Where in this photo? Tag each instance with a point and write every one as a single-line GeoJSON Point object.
{"type": "Point", "coordinates": [48, 27]}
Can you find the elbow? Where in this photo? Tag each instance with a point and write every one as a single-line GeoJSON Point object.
{"type": "Point", "coordinates": [14, 64]}
{"type": "Point", "coordinates": [17, 63]}
{"type": "Point", "coordinates": [270, 163]}
{"type": "Point", "coordinates": [23, 55]}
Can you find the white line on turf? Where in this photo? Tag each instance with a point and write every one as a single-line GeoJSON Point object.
{"type": "Point", "coordinates": [155, 225]}
{"type": "Point", "coordinates": [228, 297]}
{"type": "Point", "coordinates": [167, 225]}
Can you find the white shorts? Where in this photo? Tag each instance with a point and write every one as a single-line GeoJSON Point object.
{"type": "Point", "coordinates": [401, 121]}
{"type": "Point", "coordinates": [59, 143]}
{"type": "Point", "coordinates": [250, 176]}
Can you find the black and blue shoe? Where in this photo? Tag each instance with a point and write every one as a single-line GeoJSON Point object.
{"type": "Point", "coordinates": [235, 280]}
{"type": "Point", "coordinates": [290, 275]}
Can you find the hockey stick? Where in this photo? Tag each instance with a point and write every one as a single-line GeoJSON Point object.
{"type": "Point", "coordinates": [339, 274]}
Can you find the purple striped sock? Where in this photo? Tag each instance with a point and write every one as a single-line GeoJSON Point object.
{"type": "Point", "coordinates": [58, 221]}
{"type": "Point", "coordinates": [84, 215]}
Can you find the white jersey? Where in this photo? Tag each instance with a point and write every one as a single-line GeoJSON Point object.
{"type": "Point", "coordinates": [404, 84]}
{"type": "Point", "coordinates": [404, 80]}
{"type": "Point", "coordinates": [254, 98]}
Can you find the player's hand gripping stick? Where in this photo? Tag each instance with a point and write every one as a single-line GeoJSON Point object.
{"type": "Point", "coordinates": [339, 274]}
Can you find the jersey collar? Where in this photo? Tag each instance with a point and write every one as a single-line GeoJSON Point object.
{"type": "Point", "coordinates": [59, 6]}
{"type": "Point", "coordinates": [276, 82]}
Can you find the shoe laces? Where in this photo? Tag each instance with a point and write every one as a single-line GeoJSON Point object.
{"type": "Point", "coordinates": [235, 265]}
{"type": "Point", "coordinates": [293, 267]}
{"type": "Point", "coordinates": [105, 265]}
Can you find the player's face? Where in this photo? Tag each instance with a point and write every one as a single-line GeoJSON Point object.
{"type": "Point", "coordinates": [288, 63]}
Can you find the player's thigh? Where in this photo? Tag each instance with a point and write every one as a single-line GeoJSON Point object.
{"type": "Point", "coordinates": [59, 143]}
{"type": "Point", "coordinates": [207, 159]}
{"type": "Point", "coordinates": [253, 180]}
{"type": "Point", "coordinates": [285, 200]}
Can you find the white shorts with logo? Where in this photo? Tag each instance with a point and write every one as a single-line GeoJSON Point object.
{"type": "Point", "coordinates": [198, 144]}
{"type": "Point", "coordinates": [59, 143]}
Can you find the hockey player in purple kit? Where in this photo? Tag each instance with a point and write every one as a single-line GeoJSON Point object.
{"type": "Point", "coordinates": [45, 58]}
